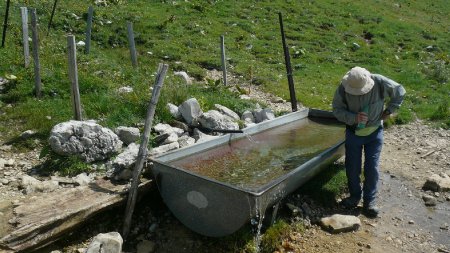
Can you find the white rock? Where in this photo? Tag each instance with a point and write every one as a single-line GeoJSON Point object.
{"type": "Point", "coordinates": [128, 134]}
{"type": "Point", "coordinates": [338, 223]}
{"type": "Point", "coordinates": [215, 120]}
{"type": "Point", "coordinates": [85, 139]}
{"type": "Point", "coordinates": [248, 117]}
{"type": "Point", "coordinates": [173, 137]}
{"type": "Point", "coordinates": [82, 179]}
{"type": "Point", "coordinates": [184, 75]}
{"type": "Point", "coordinates": [226, 111]}
{"type": "Point", "coordinates": [127, 158]}
{"type": "Point", "coordinates": [110, 242]}
{"type": "Point", "coordinates": [125, 89]}
{"type": "Point", "coordinates": [185, 141]}
{"type": "Point", "coordinates": [30, 185]}
{"type": "Point", "coordinates": [164, 148]}
{"type": "Point", "coordinates": [190, 110]}
{"type": "Point", "coordinates": [173, 109]}
{"type": "Point", "coordinates": [27, 134]}
{"type": "Point", "coordinates": [437, 183]}
{"type": "Point", "coordinates": [81, 43]}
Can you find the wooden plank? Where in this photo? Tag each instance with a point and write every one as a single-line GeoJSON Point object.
{"type": "Point", "coordinates": [42, 219]}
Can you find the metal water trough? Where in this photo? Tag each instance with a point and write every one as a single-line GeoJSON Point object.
{"type": "Point", "coordinates": [216, 209]}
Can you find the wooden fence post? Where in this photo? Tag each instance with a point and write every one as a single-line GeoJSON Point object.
{"type": "Point", "coordinates": [287, 60]}
{"type": "Point", "coordinates": [131, 44]}
{"type": "Point", "coordinates": [224, 67]}
{"type": "Point", "coordinates": [26, 46]}
{"type": "Point", "coordinates": [73, 76]}
{"type": "Point", "coordinates": [5, 23]}
{"type": "Point", "coordinates": [37, 65]}
{"type": "Point", "coordinates": [142, 155]}
{"type": "Point", "coordinates": [89, 29]}
{"type": "Point", "coordinates": [51, 16]}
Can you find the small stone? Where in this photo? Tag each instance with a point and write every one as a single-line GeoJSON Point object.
{"type": "Point", "coordinates": [10, 162]}
{"type": "Point", "coordinates": [429, 200]}
{"type": "Point", "coordinates": [411, 222]}
{"type": "Point", "coordinates": [27, 134]}
{"type": "Point", "coordinates": [338, 223]}
{"type": "Point", "coordinates": [4, 181]}
{"type": "Point", "coordinates": [126, 89]}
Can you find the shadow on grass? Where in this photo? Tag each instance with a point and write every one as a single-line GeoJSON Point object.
{"type": "Point", "coordinates": [325, 187]}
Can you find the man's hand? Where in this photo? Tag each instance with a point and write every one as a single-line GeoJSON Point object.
{"type": "Point", "coordinates": [385, 115]}
{"type": "Point", "coordinates": [361, 117]}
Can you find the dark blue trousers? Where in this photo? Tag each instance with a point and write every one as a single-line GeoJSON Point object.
{"type": "Point", "coordinates": [354, 146]}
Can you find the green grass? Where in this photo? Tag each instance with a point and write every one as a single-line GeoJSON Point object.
{"type": "Point", "coordinates": [393, 41]}
{"type": "Point", "coordinates": [327, 185]}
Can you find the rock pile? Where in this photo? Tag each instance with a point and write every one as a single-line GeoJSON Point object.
{"type": "Point", "coordinates": [93, 143]}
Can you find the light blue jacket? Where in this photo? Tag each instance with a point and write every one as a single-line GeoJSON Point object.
{"type": "Point", "coordinates": [346, 106]}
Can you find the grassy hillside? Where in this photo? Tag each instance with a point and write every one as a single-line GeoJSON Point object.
{"type": "Point", "coordinates": [407, 41]}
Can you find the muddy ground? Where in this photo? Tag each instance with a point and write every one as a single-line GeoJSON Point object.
{"type": "Point", "coordinates": [411, 153]}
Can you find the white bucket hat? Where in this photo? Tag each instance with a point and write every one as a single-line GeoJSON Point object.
{"type": "Point", "coordinates": [357, 81]}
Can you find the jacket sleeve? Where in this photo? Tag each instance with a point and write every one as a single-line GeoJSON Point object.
{"type": "Point", "coordinates": [394, 91]}
{"type": "Point", "coordinates": [340, 108]}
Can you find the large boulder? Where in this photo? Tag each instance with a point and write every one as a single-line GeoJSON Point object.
{"type": "Point", "coordinates": [215, 120]}
{"type": "Point", "coordinates": [190, 110]}
{"type": "Point", "coordinates": [110, 242]}
{"type": "Point", "coordinates": [85, 139]}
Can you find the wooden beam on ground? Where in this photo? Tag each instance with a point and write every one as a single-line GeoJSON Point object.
{"type": "Point", "coordinates": [43, 219]}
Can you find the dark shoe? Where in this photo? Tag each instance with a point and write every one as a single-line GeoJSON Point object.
{"type": "Point", "coordinates": [349, 203]}
{"type": "Point", "coordinates": [371, 211]}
